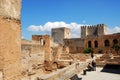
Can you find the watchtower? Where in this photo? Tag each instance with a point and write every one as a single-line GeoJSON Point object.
{"type": "Point", "coordinates": [93, 31]}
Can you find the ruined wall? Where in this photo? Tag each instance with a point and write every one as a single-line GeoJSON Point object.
{"type": "Point", "coordinates": [75, 45]}
{"type": "Point", "coordinates": [44, 41]}
{"type": "Point", "coordinates": [32, 56]}
{"type": "Point", "coordinates": [58, 34]}
{"type": "Point", "coordinates": [10, 39]}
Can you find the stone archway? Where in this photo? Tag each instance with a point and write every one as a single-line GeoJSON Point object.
{"type": "Point", "coordinates": [95, 44]}
{"type": "Point", "coordinates": [89, 44]}
{"type": "Point", "coordinates": [107, 43]}
{"type": "Point", "coordinates": [115, 41]}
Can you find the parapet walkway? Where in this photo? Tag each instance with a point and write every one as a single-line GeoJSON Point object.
{"type": "Point", "coordinates": [98, 75]}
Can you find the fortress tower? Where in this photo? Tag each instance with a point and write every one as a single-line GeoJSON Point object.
{"type": "Point", "coordinates": [58, 34]}
{"type": "Point", "coordinates": [93, 31]}
{"type": "Point", "coordinates": [10, 40]}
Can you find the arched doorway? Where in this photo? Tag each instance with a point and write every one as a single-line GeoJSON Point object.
{"type": "Point", "coordinates": [115, 41]}
{"type": "Point", "coordinates": [89, 44]}
{"type": "Point", "coordinates": [95, 44]}
{"type": "Point", "coordinates": [107, 43]}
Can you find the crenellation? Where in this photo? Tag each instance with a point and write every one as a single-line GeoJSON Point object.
{"type": "Point", "coordinates": [83, 27]}
{"type": "Point", "coordinates": [93, 30]}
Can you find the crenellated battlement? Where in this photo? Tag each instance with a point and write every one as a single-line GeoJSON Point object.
{"type": "Point", "coordinates": [93, 26]}
{"type": "Point", "coordinates": [93, 30]}
{"type": "Point", "coordinates": [83, 27]}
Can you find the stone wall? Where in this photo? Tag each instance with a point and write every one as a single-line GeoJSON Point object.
{"type": "Point", "coordinates": [32, 57]}
{"type": "Point", "coordinates": [93, 31]}
{"type": "Point", "coordinates": [1, 75]}
{"type": "Point", "coordinates": [65, 73]}
{"type": "Point", "coordinates": [44, 41]}
{"type": "Point", "coordinates": [101, 43]}
{"type": "Point", "coordinates": [75, 45]}
{"type": "Point", "coordinates": [10, 39]}
{"type": "Point", "coordinates": [58, 34]}
{"type": "Point", "coordinates": [10, 9]}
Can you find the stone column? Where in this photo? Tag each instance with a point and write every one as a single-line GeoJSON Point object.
{"type": "Point", "coordinates": [10, 39]}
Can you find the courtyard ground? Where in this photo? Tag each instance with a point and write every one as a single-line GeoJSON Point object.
{"type": "Point", "coordinates": [98, 75]}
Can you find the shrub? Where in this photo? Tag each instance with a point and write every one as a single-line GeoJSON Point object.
{"type": "Point", "coordinates": [88, 50]}
{"type": "Point", "coordinates": [116, 48]}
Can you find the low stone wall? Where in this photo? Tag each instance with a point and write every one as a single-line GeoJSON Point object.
{"type": "Point", "coordinates": [65, 73]}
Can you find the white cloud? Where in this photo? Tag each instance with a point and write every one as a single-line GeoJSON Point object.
{"type": "Point", "coordinates": [35, 28]}
{"type": "Point", "coordinates": [114, 30]}
{"type": "Point", "coordinates": [22, 37]}
{"type": "Point", "coordinates": [75, 28]}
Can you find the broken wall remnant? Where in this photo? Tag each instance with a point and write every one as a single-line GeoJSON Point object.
{"type": "Point", "coordinates": [32, 57]}
{"type": "Point", "coordinates": [76, 45]}
{"type": "Point", "coordinates": [44, 41]}
{"type": "Point", "coordinates": [10, 39]}
{"type": "Point", "coordinates": [59, 34]}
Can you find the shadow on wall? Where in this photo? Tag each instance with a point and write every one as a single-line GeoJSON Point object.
{"type": "Point", "coordinates": [111, 68]}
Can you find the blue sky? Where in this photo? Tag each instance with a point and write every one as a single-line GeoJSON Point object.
{"type": "Point", "coordinates": [39, 16]}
